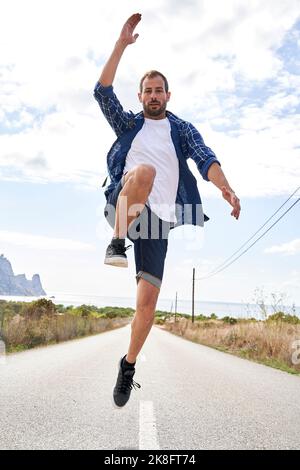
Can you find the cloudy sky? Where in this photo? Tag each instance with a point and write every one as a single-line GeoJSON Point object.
{"type": "Point", "coordinates": [234, 71]}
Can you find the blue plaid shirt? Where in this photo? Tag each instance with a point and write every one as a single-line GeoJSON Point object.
{"type": "Point", "coordinates": [187, 141]}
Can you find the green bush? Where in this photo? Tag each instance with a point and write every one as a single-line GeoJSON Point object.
{"type": "Point", "coordinates": [8, 309]}
{"type": "Point", "coordinates": [229, 320]}
{"type": "Point", "coordinates": [201, 317]}
{"type": "Point", "coordinates": [285, 317]}
{"type": "Point", "coordinates": [161, 313]}
{"type": "Point", "coordinates": [38, 309]}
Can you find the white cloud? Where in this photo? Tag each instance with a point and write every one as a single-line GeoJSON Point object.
{"type": "Point", "coordinates": [52, 57]}
{"type": "Point", "coordinates": [73, 147]}
{"type": "Point", "coordinates": [290, 248]}
{"type": "Point", "coordinates": [262, 157]}
{"type": "Point", "coordinates": [41, 242]}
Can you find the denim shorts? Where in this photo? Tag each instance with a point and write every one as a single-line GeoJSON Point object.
{"type": "Point", "coordinates": [149, 235]}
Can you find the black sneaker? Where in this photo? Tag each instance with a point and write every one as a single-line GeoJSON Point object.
{"type": "Point", "coordinates": [115, 253]}
{"type": "Point", "coordinates": [124, 385]}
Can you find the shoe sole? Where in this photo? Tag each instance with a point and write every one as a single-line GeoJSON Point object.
{"type": "Point", "coordinates": [116, 261]}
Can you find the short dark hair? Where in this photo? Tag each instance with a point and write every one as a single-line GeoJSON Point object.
{"type": "Point", "coordinates": [152, 74]}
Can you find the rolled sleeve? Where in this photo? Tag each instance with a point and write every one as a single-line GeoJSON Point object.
{"type": "Point", "coordinates": [206, 166]}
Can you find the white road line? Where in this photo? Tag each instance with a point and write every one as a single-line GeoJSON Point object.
{"type": "Point", "coordinates": [147, 428]}
{"type": "Point", "coordinates": [143, 358]}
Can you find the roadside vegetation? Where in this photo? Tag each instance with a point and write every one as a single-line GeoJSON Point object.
{"type": "Point", "coordinates": [26, 325]}
{"type": "Point", "coordinates": [274, 341]}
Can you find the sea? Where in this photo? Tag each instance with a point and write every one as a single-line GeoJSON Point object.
{"type": "Point", "coordinates": [220, 309]}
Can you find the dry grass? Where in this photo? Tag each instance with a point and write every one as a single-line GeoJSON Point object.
{"type": "Point", "coordinates": [19, 333]}
{"type": "Point", "coordinates": [270, 343]}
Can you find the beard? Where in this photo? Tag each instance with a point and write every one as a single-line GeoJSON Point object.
{"type": "Point", "coordinates": [157, 111]}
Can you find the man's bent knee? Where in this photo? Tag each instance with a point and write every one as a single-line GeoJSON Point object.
{"type": "Point", "coordinates": [144, 175]}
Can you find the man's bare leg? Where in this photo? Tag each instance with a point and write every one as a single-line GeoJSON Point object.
{"type": "Point", "coordinates": [136, 189]}
{"type": "Point", "coordinates": [147, 295]}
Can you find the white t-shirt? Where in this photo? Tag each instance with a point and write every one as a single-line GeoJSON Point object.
{"type": "Point", "coordinates": [153, 145]}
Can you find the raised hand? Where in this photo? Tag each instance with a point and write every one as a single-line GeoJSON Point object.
{"type": "Point", "coordinates": [127, 37]}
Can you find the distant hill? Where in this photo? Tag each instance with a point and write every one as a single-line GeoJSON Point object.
{"type": "Point", "coordinates": [11, 284]}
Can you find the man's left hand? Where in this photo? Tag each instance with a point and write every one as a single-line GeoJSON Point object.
{"type": "Point", "coordinates": [233, 200]}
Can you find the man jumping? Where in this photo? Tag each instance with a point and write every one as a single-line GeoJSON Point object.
{"type": "Point", "coordinates": [151, 190]}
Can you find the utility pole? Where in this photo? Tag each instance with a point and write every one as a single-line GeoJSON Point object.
{"type": "Point", "coordinates": [175, 305]}
{"type": "Point", "coordinates": [193, 296]}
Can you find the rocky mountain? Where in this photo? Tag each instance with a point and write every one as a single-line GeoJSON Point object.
{"type": "Point", "coordinates": [11, 284]}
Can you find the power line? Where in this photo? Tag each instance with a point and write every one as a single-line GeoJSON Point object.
{"type": "Point", "coordinates": [216, 271]}
{"type": "Point", "coordinates": [257, 231]}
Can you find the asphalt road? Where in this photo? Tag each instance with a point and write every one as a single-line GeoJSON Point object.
{"type": "Point", "coordinates": [192, 397]}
